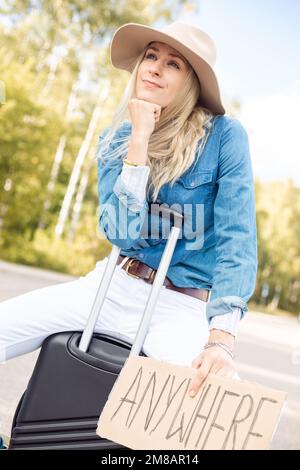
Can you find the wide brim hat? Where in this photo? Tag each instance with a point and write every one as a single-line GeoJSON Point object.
{"type": "Point", "coordinates": [194, 44]}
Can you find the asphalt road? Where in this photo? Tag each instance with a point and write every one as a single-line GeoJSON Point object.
{"type": "Point", "coordinates": [267, 352]}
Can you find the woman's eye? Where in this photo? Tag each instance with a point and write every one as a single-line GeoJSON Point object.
{"type": "Point", "coordinates": [172, 62]}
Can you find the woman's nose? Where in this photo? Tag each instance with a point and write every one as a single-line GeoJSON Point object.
{"type": "Point", "coordinates": [155, 68]}
{"type": "Point", "coordinates": [154, 73]}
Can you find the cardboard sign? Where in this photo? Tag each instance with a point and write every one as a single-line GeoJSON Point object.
{"type": "Point", "coordinates": [149, 407]}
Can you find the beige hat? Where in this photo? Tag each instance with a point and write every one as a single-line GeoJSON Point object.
{"type": "Point", "coordinates": [194, 44]}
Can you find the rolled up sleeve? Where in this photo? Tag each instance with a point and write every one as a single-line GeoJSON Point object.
{"type": "Point", "coordinates": [235, 270]}
{"type": "Point", "coordinates": [134, 179]}
{"type": "Point", "coordinates": [228, 322]}
{"type": "Point", "coordinates": [122, 209]}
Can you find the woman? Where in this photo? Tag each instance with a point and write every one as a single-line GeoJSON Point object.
{"type": "Point", "coordinates": [177, 149]}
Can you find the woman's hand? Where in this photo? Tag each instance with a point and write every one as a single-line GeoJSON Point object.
{"type": "Point", "coordinates": [213, 360]}
{"type": "Point", "coordinates": [144, 115]}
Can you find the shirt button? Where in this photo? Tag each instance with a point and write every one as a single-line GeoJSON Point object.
{"type": "Point", "coordinates": [192, 183]}
{"type": "Point", "coordinates": [141, 255]}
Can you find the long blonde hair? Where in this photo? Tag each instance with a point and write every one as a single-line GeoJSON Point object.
{"type": "Point", "coordinates": [173, 144]}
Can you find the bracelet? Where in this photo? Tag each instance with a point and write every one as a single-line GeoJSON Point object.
{"type": "Point", "coordinates": [131, 163]}
{"type": "Point", "coordinates": [223, 346]}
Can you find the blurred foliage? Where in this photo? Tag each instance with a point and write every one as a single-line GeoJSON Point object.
{"type": "Point", "coordinates": [278, 223]}
{"type": "Point", "coordinates": [46, 252]}
{"type": "Point", "coordinates": [53, 56]}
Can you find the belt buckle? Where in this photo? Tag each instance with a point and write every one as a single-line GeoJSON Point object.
{"type": "Point", "coordinates": [128, 266]}
{"type": "Point", "coordinates": [150, 279]}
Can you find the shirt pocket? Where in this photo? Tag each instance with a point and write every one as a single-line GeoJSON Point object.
{"type": "Point", "coordinates": [196, 187]}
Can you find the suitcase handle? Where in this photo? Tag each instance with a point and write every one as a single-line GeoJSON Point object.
{"type": "Point", "coordinates": [152, 299]}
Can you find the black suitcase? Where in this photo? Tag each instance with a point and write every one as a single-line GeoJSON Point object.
{"type": "Point", "coordinates": [75, 372]}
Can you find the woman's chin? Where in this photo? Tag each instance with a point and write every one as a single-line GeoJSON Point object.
{"type": "Point", "coordinates": [146, 96]}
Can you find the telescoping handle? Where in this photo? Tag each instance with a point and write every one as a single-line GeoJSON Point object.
{"type": "Point", "coordinates": [152, 299]}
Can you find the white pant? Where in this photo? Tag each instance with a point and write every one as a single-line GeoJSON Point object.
{"type": "Point", "coordinates": [177, 333]}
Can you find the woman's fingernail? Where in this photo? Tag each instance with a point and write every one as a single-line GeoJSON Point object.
{"type": "Point", "coordinates": [192, 393]}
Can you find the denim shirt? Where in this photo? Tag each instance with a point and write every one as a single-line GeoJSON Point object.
{"type": "Point", "coordinates": [218, 253]}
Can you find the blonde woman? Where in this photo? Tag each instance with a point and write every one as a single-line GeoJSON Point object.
{"type": "Point", "coordinates": [170, 144]}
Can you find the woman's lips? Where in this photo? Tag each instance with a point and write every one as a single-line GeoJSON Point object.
{"type": "Point", "coordinates": [150, 85]}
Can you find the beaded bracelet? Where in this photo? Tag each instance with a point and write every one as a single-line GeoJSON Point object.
{"type": "Point", "coordinates": [222, 345]}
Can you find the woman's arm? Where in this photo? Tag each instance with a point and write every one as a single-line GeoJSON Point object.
{"type": "Point", "coordinates": [235, 271]}
{"type": "Point", "coordinates": [122, 213]}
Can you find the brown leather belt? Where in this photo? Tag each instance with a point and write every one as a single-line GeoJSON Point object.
{"type": "Point", "coordinates": [139, 270]}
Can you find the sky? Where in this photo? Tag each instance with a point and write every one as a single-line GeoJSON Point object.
{"type": "Point", "coordinates": [258, 63]}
